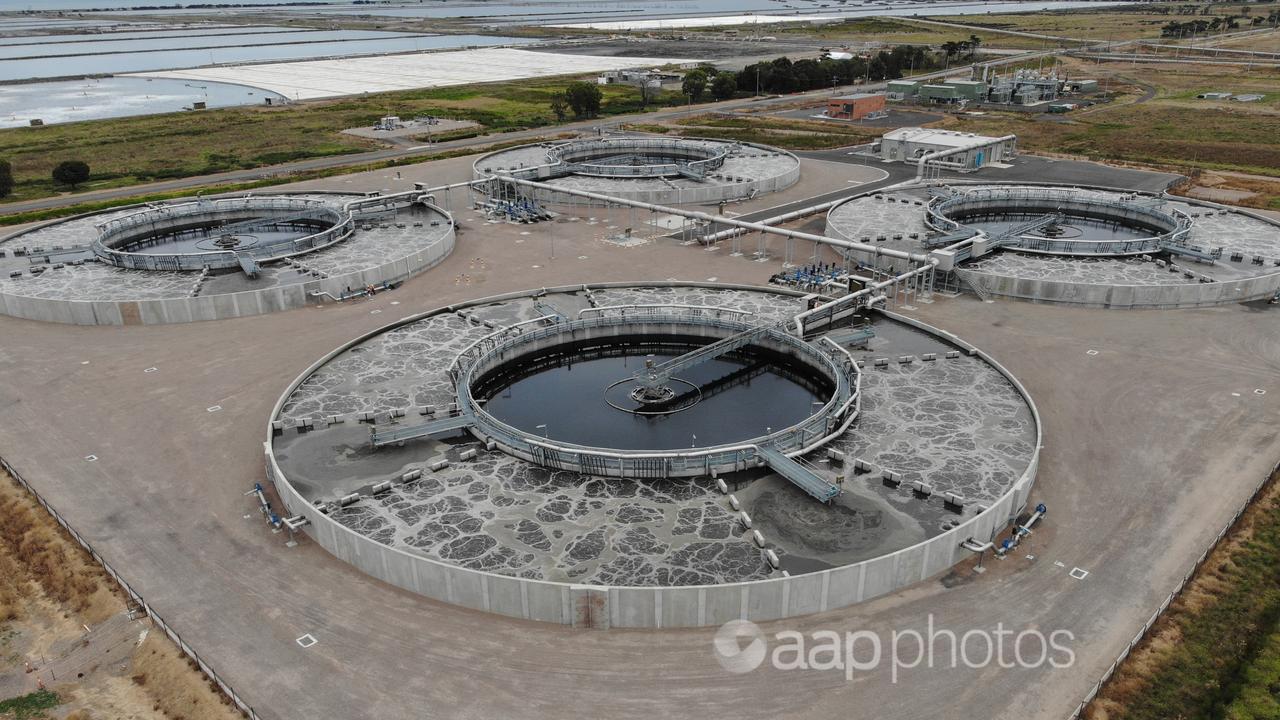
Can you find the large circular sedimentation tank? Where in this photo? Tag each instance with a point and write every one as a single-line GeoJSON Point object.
{"type": "Point", "coordinates": [652, 169]}
{"type": "Point", "coordinates": [1086, 246]}
{"type": "Point", "coordinates": [531, 453]}
{"type": "Point", "coordinates": [206, 259]}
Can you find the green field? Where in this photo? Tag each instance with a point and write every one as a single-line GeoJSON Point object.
{"type": "Point", "coordinates": [784, 133]}
{"type": "Point", "coordinates": [1172, 130]}
{"type": "Point", "coordinates": [136, 150]}
{"type": "Point", "coordinates": [29, 707]}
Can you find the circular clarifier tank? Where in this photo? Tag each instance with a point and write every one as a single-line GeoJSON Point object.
{"type": "Point", "coordinates": [510, 463]}
{"type": "Point", "coordinates": [221, 234]}
{"type": "Point", "coordinates": [1073, 227]}
{"type": "Point", "coordinates": [652, 169]}
{"type": "Point", "coordinates": [583, 393]}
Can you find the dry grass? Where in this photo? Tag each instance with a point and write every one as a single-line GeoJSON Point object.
{"type": "Point", "coordinates": [1170, 132]}
{"type": "Point", "coordinates": [45, 574]}
{"type": "Point", "coordinates": [176, 685]}
{"type": "Point", "coordinates": [1224, 593]}
{"type": "Point", "coordinates": [33, 548]}
{"type": "Point", "coordinates": [1264, 193]}
{"type": "Point", "coordinates": [1264, 42]}
{"type": "Point", "coordinates": [1121, 23]}
{"type": "Point", "coordinates": [133, 150]}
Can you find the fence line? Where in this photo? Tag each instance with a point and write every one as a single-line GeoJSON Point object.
{"type": "Point", "coordinates": [156, 620]}
{"type": "Point", "coordinates": [1182, 584]}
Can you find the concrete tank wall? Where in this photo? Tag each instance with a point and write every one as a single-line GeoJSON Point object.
{"type": "Point", "coordinates": [1126, 296]}
{"type": "Point", "coordinates": [712, 192]}
{"type": "Point", "coordinates": [653, 607]}
{"type": "Point", "coordinates": [1096, 295]}
{"type": "Point", "coordinates": [229, 305]}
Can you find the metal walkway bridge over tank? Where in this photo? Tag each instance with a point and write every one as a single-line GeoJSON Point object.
{"type": "Point", "coordinates": [655, 377]}
{"type": "Point", "coordinates": [799, 475]}
{"type": "Point", "coordinates": [396, 434]}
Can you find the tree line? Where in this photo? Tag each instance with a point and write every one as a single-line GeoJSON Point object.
{"type": "Point", "coordinates": [782, 76]}
{"type": "Point", "coordinates": [1175, 29]}
{"type": "Point", "coordinates": [779, 76]}
{"type": "Point", "coordinates": [67, 172]}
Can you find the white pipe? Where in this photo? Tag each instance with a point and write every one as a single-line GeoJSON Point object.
{"type": "Point", "coordinates": [927, 263]}
{"type": "Point", "coordinates": [707, 217]}
{"type": "Point", "coordinates": [937, 154]}
{"type": "Point", "coordinates": [776, 220]}
{"type": "Point", "coordinates": [930, 264]}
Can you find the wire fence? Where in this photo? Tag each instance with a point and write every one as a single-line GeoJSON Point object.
{"type": "Point", "coordinates": [156, 620]}
{"type": "Point", "coordinates": [1182, 584]}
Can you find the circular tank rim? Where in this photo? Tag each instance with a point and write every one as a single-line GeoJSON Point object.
{"type": "Point", "coordinates": [479, 173]}
{"type": "Point", "coordinates": [1247, 212]}
{"type": "Point", "coordinates": [1021, 484]}
{"type": "Point", "coordinates": [63, 310]}
{"type": "Point", "coordinates": [43, 224]}
{"type": "Point", "coordinates": [118, 232]}
{"type": "Point", "coordinates": [789, 439]}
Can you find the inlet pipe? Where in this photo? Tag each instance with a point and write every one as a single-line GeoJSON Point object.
{"type": "Point", "coordinates": [929, 264]}
{"type": "Point", "coordinates": [939, 154]}
{"type": "Point", "coordinates": [776, 220]}
{"type": "Point", "coordinates": [411, 195]}
{"type": "Point", "coordinates": [719, 219]}
{"type": "Point", "coordinates": [926, 263]}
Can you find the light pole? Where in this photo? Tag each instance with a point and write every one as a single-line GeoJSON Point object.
{"type": "Point", "coordinates": [543, 428]}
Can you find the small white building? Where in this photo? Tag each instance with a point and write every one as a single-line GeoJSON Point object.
{"type": "Point", "coordinates": [946, 148]}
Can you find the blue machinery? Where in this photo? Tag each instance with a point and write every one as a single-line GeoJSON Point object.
{"type": "Point", "coordinates": [1007, 546]}
{"type": "Point", "coordinates": [520, 210]}
{"type": "Point", "coordinates": [1021, 531]}
{"type": "Point", "coordinates": [277, 523]}
{"type": "Point", "coordinates": [264, 506]}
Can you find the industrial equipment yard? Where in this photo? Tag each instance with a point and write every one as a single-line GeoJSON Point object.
{"type": "Point", "coordinates": [550, 369]}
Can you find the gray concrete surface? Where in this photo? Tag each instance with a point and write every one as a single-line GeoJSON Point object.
{"type": "Point", "coordinates": [1151, 444]}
